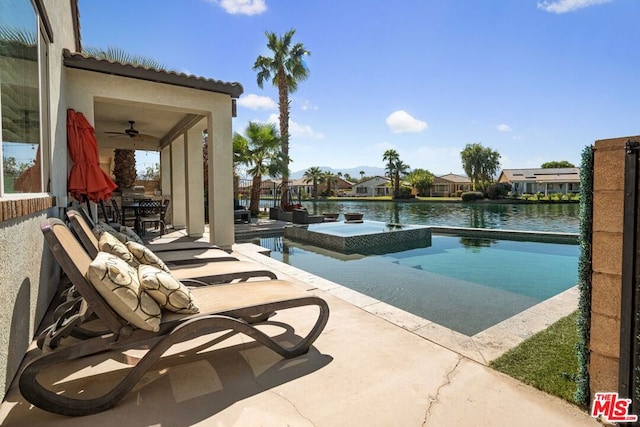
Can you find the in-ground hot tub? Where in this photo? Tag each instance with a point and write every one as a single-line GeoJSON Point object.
{"type": "Point", "coordinates": [367, 237]}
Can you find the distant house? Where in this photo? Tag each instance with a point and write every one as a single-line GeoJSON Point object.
{"type": "Point", "coordinates": [541, 180]}
{"type": "Point", "coordinates": [375, 186]}
{"type": "Point", "coordinates": [445, 185]}
{"type": "Point", "coordinates": [300, 187]}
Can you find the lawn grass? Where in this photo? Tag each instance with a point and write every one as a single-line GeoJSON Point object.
{"type": "Point", "coordinates": [547, 360]}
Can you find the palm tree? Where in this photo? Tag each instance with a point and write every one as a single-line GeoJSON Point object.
{"type": "Point", "coordinates": [400, 169]}
{"type": "Point", "coordinates": [391, 156]}
{"type": "Point", "coordinates": [262, 156]}
{"type": "Point", "coordinates": [361, 175]}
{"type": "Point", "coordinates": [285, 70]}
{"type": "Point", "coordinates": [330, 178]}
{"type": "Point", "coordinates": [313, 174]}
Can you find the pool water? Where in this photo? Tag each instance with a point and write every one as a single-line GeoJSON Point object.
{"type": "Point", "coordinates": [344, 229]}
{"type": "Point", "coordinates": [465, 284]}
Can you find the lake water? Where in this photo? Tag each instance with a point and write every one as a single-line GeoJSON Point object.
{"type": "Point", "coordinates": [554, 217]}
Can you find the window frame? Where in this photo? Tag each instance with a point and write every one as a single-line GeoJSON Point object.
{"type": "Point", "coordinates": [43, 42]}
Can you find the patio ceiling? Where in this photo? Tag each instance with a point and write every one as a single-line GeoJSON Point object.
{"type": "Point", "coordinates": [162, 124]}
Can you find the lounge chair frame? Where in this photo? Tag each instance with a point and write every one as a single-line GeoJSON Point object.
{"type": "Point", "coordinates": [83, 231]}
{"type": "Point", "coordinates": [121, 336]}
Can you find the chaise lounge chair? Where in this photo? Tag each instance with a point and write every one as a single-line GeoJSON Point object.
{"type": "Point", "coordinates": [302, 216]}
{"type": "Point", "coordinates": [85, 234]}
{"type": "Point", "coordinates": [218, 269]}
{"type": "Point", "coordinates": [230, 307]}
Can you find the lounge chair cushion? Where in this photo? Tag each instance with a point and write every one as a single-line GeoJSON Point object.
{"type": "Point", "coordinates": [108, 243]}
{"type": "Point", "coordinates": [125, 234]}
{"type": "Point", "coordinates": [144, 255]}
{"type": "Point", "coordinates": [131, 235]}
{"type": "Point", "coordinates": [117, 282]}
{"type": "Point", "coordinates": [168, 292]}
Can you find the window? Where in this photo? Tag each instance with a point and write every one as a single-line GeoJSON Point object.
{"type": "Point", "coordinates": [23, 67]}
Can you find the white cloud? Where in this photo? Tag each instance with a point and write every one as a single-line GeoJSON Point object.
{"type": "Point", "coordinates": [257, 102]}
{"type": "Point", "coordinates": [307, 105]}
{"type": "Point", "coordinates": [400, 122]}
{"type": "Point", "coordinates": [242, 7]}
{"type": "Point", "coordinates": [504, 128]}
{"type": "Point", "coordinates": [297, 129]}
{"type": "Point", "coordinates": [564, 6]}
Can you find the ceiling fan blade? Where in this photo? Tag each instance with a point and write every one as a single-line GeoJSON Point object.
{"type": "Point", "coordinates": [117, 133]}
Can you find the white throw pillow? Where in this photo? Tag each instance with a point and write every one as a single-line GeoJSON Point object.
{"type": "Point", "coordinates": [108, 243]}
{"type": "Point", "coordinates": [144, 255]}
{"type": "Point", "coordinates": [117, 282]}
{"type": "Point", "coordinates": [168, 292]}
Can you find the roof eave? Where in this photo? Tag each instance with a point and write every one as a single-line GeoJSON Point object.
{"type": "Point", "coordinates": [82, 62]}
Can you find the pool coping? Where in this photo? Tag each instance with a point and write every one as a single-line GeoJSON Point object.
{"type": "Point", "coordinates": [482, 347]}
{"type": "Point", "coordinates": [521, 235]}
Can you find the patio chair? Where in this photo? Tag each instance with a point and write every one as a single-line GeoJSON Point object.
{"type": "Point", "coordinates": [117, 212]}
{"type": "Point", "coordinates": [232, 307]}
{"type": "Point", "coordinates": [240, 213]}
{"type": "Point", "coordinates": [301, 216]}
{"type": "Point", "coordinates": [219, 268]}
{"type": "Point", "coordinates": [154, 212]}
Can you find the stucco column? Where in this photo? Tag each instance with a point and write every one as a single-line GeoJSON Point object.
{"type": "Point", "coordinates": [178, 186]}
{"type": "Point", "coordinates": [194, 181]}
{"type": "Point", "coordinates": [221, 230]}
{"type": "Point", "coordinates": [165, 180]}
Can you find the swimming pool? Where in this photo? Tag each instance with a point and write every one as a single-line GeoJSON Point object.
{"type": "Point", "coordinates": [367, 237]}
{"type": "Point", "coordinates": [463, 283]}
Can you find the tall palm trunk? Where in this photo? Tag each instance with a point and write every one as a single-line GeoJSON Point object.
{"type": "Point", "coordinates": [283, 98]}
{"type": "Point", "coordinates": [396, 186]}
{"type": "Point", "coordinates": [254, 205]}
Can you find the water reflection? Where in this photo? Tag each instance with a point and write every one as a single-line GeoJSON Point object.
{"type": "Point", "coordinates": [556, 217]}
{"type": "Point", "coordinates": [475, 244]}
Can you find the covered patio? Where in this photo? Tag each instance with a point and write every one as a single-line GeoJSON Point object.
{"type": "Point", "coordinates": [171, 112]}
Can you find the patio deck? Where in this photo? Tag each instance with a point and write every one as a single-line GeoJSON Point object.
{"type": "Point", "coordinates": [373, 365]}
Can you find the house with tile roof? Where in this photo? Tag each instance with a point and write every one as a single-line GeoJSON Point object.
{"type": "Point", "coordinates": [372, 187]}
{"type": "Point", "coordinates": [446, 185]}
{"type": "Point", "coordinates": [542, 180]}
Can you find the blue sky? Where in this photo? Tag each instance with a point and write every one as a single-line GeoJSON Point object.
{"type": "Point", "coordinates": [534, 80]}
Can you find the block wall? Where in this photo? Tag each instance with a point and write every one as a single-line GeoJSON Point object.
{"type": "Point", "coordinates": [608, 204]}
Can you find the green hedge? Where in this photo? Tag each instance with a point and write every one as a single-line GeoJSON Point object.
{"type": "Point", "coordinates": [582, 395]}
{"type": "Point", "coordinates": [471, 196]}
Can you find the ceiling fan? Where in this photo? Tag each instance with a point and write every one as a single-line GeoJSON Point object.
{"type": "Point", "coordinates": [132, 133]}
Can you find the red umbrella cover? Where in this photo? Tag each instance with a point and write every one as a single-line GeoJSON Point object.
{"type": "Point", "coordinates": [86, 179]}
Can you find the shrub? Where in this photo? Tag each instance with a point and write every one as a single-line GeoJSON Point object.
{"type": "Point", "coordinates": [498, 190]}
{"type": "Point", "coordinates": [405, 193]}
{"type": "Point", "coordinates": [470, 196]}
{"type": "Point", "coordinates": [459, 193]}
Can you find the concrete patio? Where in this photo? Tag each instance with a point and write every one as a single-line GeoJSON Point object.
{"type": "Point", "coordinates": [373, 365]}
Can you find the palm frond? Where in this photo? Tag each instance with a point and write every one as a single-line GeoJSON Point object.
{"type": "Point", "coordinates": [116, 54]}
{"type": "Point", "coordinates": [18, 35]}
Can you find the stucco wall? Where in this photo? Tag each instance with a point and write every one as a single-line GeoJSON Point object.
{"type": "Point", "coordinates": [28, 273]}
{"type": "Point", "coordinates": [608, 203]}
{"type": "Point", "coordinates": [28, 282]}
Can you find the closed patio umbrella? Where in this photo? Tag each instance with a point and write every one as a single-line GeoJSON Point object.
{"type": "Point", "coordinates": [86, 180]}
